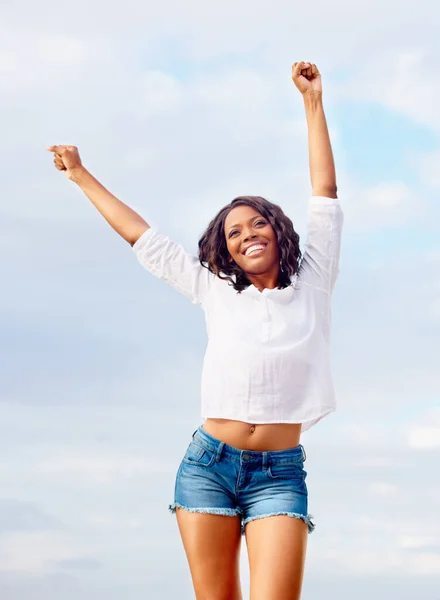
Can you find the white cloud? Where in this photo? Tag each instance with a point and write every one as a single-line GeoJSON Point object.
{"type": "Point", "coordinates": [93, 468]}
{"type": "Point", "coordinates": [31, 552]}
{"type": "Point", "coordinates": [113, 521]}
{"type": "Point", "coordinates": [371, 554]}
{"type": "Point", "coordinates": [389, 204]}
{"type": "Point", "coordinates": [383, 488]}
{"type": "Point", "coordinates": [413, 542]}
{"type": "Point", "coordinates": [403, 80]}
{"type": "Point", "coordinates": [234, 88]}
{"type": "Point", "coordinates": [163, 93]}
{"type": "Point", "coordinates": [424, 564]}
{"type": "Point", "coordinates": [31, 58]}
{"type": "Point", "coordinates": [425, 438]}
{"type": "Point", "coordinates": [424, 432]}
{"type": "Point", "coordinates": [428, 168]}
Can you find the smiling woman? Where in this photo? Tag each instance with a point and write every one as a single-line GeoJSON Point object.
{"type": "Point", "coordinates": [266, 374]}
{"type": "Point", "coordinates": [247, 220]}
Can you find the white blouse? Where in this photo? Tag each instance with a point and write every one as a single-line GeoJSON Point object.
{"type": "Point", "coordinates": [268, 354]}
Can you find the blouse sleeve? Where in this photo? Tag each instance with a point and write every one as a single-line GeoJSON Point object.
{"type": "Point", "coordinates": [168, 261]}
{"type": "Point", "coordinates": [320, 262]}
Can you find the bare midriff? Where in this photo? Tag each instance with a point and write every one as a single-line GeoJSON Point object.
{"type": "Point", "coordinates": [251, 436]}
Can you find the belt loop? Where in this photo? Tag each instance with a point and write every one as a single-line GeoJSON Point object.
{"type": "Point", "coordinates": [194, 433]}
{"type": "Point", "coordinates": [304, 452]}
{"type": "Point", "coordinates": [218, 454]}
{"type": "Point", "coordinates": [264, 462]}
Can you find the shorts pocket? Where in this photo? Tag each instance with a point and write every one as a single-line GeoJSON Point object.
{"type": "Point", "coordinates": [198, 455]}
{"type": "Point", "coordinates": [286, 470]}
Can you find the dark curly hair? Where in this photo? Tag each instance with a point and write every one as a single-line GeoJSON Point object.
{"type": "Point", "coordinates": [214, 254]}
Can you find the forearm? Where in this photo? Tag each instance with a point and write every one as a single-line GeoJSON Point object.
{"type": "Point", "coordinates": [322, 166]}
{"type": "Point", "coordinates": [125, 221]}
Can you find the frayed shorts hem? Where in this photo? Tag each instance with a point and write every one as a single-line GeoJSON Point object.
{"type": "Point", "coordinates": [306, 518]}
{"type": "Point", "coordinates": [233, 512]}
{"type": "Point", "coordinates": [226, 512]}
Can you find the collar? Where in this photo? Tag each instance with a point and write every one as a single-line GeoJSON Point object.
{"type": "Point", "coordinates": [283, 296]}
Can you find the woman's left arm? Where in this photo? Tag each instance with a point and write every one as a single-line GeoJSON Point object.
{"type": "Point", "coordinates": [320, 262]}
{"type": "Point", "coordinates": [322, 166]}
{"type": "Point", "coordinates": [307, 79]}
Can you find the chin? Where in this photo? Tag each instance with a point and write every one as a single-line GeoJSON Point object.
{"type": "Point", "coordinates": [257, 269]}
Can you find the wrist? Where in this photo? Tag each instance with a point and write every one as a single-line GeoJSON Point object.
{"type": "Point", "coordinates": [312, 100]}
{"type": "Point", "coordinates": [77, 174]}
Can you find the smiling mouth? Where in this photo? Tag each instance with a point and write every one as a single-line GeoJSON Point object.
{"type": "Point", "coordinates": [259, 249]}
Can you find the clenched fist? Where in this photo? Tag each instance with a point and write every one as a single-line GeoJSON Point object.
{"type": "Point", "coordinates": [306, 77]}
{"type": "Point", "coordinates": [66, 158]}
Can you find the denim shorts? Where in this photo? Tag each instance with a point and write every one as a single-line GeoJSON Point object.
{"type": "Point", "coordinates": [219, 479]}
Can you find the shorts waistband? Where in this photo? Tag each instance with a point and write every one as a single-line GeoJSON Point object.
{"type": "Point", "coordinates": [203, 438]}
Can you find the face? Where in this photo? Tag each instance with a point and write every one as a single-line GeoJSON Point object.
{"type": "Point", "coordinates": [251, 241]}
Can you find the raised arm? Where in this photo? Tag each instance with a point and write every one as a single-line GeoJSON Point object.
{"type": "Point", "coordinates": [320, 263]}
{"type": "Point", "coordinates": [160, 255]}
{"type": "Point", "coordinates": [125, 221]}
{"type": "Point", "coordinates": [307, 79]}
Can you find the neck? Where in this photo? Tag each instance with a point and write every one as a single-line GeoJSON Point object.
{"type": "Point", "coordinates": [264, 281]}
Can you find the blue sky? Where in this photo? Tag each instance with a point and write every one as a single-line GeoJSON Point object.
{"type": "Point", "coordinates": [177, 108]}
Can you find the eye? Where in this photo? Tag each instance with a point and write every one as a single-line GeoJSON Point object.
{"type": "Point", "coordinates": [260, 222]}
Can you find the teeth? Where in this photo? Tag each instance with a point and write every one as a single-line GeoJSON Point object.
{"type": "Point", "coordinates": [254, 248]}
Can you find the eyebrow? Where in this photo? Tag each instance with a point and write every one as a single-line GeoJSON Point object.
{"type": "Point", "coordinates": [251, 219]}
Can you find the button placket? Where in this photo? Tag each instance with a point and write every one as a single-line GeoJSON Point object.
{"type": "Point", "coordinates": [266, 315]}
{"type": "Point", "coordinates": [266, 321]}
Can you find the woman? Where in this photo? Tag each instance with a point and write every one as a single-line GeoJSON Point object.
{"type": "Point", "coordinates": [266, 375]}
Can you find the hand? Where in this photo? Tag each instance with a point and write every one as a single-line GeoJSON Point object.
{"type": "Point", "coordinates": [306, 77]}
{"type": "Point", "coordinates": [66, 159]}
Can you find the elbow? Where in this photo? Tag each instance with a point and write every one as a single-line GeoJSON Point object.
{"type": "Point", "coordinates": [326, 191]}
{"type": "Point", "coordinates": [137, 233]}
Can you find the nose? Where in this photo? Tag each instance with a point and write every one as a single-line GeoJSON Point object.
{"type": "Point", "coordinates": [248, 235]}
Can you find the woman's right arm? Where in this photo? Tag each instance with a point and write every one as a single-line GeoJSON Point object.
{"type": "Point", "coordinates": [155, 251]}
{"type": "Point", "coordinates": [125, 221]}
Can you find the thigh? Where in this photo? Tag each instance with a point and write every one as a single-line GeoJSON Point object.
{"type": "Point", "coordinates": [212, 546]}
{"type": "Point", "coordinates": [209, 523]}
{"type": "Point", "coordinates": [276, 549]}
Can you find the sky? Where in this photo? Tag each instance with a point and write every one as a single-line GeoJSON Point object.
{"type": "Point", "coordinates": [177, 108]}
